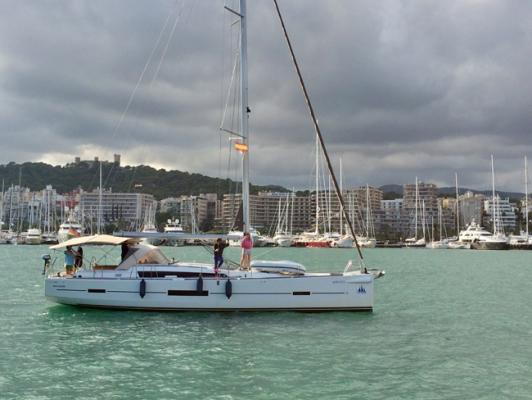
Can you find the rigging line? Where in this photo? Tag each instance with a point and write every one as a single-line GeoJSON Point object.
{"type": "Point", "coordinates": [222, 90]}
{"type": "Point", "coordinates": [132, 177]}
{"type": "Point", "coordinates": [325, 211]}
{"type": "Point", "coordinates": [141, 77]}
{"type": "Point", "coordinates": [167, 44]}
{"type": "Point", "coordinates": [222, 63]}
{"type": "Point", "coordinates": [108, 177]}
{"type": "Point", "coordinates": [318, 131]}
{"type": "Point", "coordinates": [227, 260]}
{"type": "Point", "coordinates": [229, 91]}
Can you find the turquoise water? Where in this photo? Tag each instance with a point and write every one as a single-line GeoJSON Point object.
{"type": "Point", "coordinates": [447, 325]}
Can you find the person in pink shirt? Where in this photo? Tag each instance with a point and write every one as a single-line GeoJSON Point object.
{"type": "Point", "coordinates": [247, 245]}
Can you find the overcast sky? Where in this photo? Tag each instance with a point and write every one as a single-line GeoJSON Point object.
{"type": "Point", "coordinates": [401, 88]}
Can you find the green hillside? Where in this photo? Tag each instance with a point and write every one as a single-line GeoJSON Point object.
{"type": "Point", "coordinates": [159, 182]}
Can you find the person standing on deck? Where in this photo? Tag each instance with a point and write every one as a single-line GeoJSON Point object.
{"type": "Point", "coordinates": [69, 259]}
{"type": "Point", "coordinates": [247, 245]}
{"type": "Point", "coordinates": [124, 250]}
{"type": "Point", "coordinates": [219, 247]}
{"type": "Point", "coordinates": [78, 258]}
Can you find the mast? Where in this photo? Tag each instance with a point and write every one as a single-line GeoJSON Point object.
{"type": "Point", "coordinates": [341, 190]}
{"type": "Point", "coordinates": [278, 229]}
{"type": "Point", "coordinates": [243, 144]}
{"type": "Point", "coordinates": [432, 239]}
{"type": "Point", "coordinates": [244, 114]}
{"type": "Point", "coordinates": [20, 206]}
{"type": "Point", "coordinates": [11, 208]}
{"type": "Point", "coordinates": [2, 209]}
{"type": "Point", "coordinates": [526, 198]}
{"type": "Point", "coordinates": [329, 205]}
{"type": "Point", "coordinates": [457, 206]}
{"type": "Point", "coordinates": [317, 185]}
{"type": "Point", "coordinates": [415, 209]}
{"type": "Point", "coordinates": [440, 220]}
{"type": "Point", "coordinates": [423, 219]}
{"type": "Point", "coordinates": [493, 217]}
{"type": "Point", "coordinates": [367, 211]}
{"type": "Point", "coordinates": [285, 217]}
{"type": "Point", "coordinates": [292, 212]}
{"type": "Point", "coordinates": [100, 202]}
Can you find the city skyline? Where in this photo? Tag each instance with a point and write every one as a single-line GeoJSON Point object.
{"type": "Point", "coordinates": [401, 90]}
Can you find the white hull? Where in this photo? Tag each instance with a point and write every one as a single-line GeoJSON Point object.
{"type": "Point", "coordinates": [253, 291]}
{"type": "Point", "coordinates": [415, 243]}
{"type": "Point", "coordinates": [438, 245]}
{"type": "Point", "coordinates": [33, 236]}
{"type": "Point", "coordinates": [458, 245]}
{"type": "Point", "coordinates": [176, 228]}
{"type": "Point", "coordinates": [367, 243]}
{"type": "Point", "coordinates": [65, 234]}
{"type": "Point", "coordinates": [33, 240]}
{"type": "Point", "coordinates": [345, 242]}
{"type": "Point", "coordinates": [287, 242]}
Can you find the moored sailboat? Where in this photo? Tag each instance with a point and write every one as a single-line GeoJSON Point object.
{"type": "Point", "coordinates": [145, 279]}
{"type": "Point", "coordinates": [496, 240]}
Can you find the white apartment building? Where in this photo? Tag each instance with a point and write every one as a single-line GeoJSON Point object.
{"type": "Point", "coordinates": [502, 211]}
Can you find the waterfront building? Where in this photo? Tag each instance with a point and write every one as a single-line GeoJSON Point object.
{"type": "Point", "coordinates": [22, 208]}
{"type": "Point", "coordinates": [391, 220]}
{"type": "Point", "coordinates": [356, 203]}
{"type": "Point", "coordinates": [264, 211]}
{"type": "Point", "coordinates": [502, 211]}
{"type": "Point", "coordinates": [125, 209]}
{"type": "Point", "coordinates": [194, 212]}
{"type": "Point", "coordinates": [427, 195]}
{"type": "Point", "coordinates": [170, 205]}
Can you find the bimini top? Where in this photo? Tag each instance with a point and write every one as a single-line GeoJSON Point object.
{"type": "Point", "coordinates": [98, 240]}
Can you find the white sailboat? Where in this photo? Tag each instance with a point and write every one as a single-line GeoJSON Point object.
{"type": "Point", "coordinates": [368, 241]}
{"type": "Point", "coordinates": [146, 280]}
{"type": "Point", "coordinates": [414, 241]}
{"type": "Point", "coordinates": [457, 244]}
{"type": "Point", "coordinates": [148, 225]}
{"type": "Point", "coordinates": [441, 243]}
{"type": "Point", "coordinates": [315, 239]}
{"type": "Point", "coordinates": [497, 240]}
{"type": "Point", "coordinates": [341, 240]}
{"type": "Point", "coordinates": [523, 241]}
{"type": "Point", "coordinates": [283, 235]}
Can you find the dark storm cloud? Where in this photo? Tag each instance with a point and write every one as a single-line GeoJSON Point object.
{"type": "Point", "coordinates": [402, 89]}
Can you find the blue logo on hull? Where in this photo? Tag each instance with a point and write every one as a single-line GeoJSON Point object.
{"type": "Point", "coordinates": [361, 290]}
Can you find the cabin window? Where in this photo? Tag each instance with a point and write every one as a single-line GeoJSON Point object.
{"type": "Point", "coordinates": [188, 293]}
{"type": "Point", "coordinates": [177, 274]}
{"type": "Point", "coordinates": [301, 293]}
{"type": "Point", "coordinates": [153, 257]}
